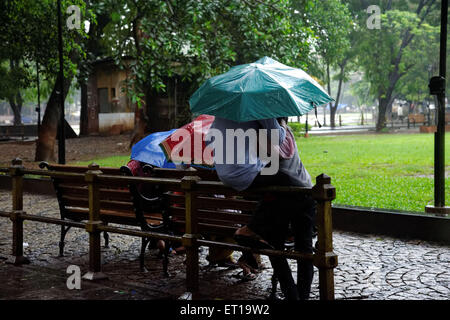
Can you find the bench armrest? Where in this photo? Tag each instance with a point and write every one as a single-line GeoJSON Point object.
{"type": "Point", "coordinates": [44, 165]}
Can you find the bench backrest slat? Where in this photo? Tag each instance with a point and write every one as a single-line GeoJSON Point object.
{"type": "Point", "coordinates": [204, 174]}
{"type": "Point", "coordinates": [116, 201]}
{"type": "Point", "coordinates": [220, 210]}
{"type": "Point", "coordinates": [226, 203]}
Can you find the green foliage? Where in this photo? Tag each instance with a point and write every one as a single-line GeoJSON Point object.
{"type": "Point", "coordinates": [195, 40]}
{"type": "Point", "coordinates": [13, 78]}
{"type": "Point", "coordinates": [361, 90]}
{"type": "Point", "coordinates": [113, 161]}
{"type": "Point", "coordinates": [28, 32]}
{"type": "Point", "coordinates": [332, 24]}
{"type": "Point", "coordinates": [396, 58]}
{"type": "Point", "coordinates": [298, 128]}
{"type": "Point", "coordinates": [387, 56]}
{"type": "Point", "coordinates": [28, 35]}
{"type": "Point", "coordinates": [201, 39]}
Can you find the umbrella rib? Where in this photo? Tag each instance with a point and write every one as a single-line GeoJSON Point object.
{"type": "Point", "coordinates": [280, 84]}
{"type": "Point", "coordinates": [283, 90]}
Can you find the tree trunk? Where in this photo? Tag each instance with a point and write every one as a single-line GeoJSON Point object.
{"type": "Point", "coordinates": [15, 100]}
{"type": "Point", "coordinates": [385, 100]}
{"type": "Point", "coordinates": [333, 116]}
{"type": "Point", "coordinates": [16, 107]}
{"type": "Point", "coordinates": [329, 93]}
{"type": "Point", "coordinates": [140, 114]}
{"type": "Point", "coordinates": [84, 110]}
{"type": "Point", "coordinates": [382, 107]}
{"type": "Point", "coordinates": [333, 109]}
{"type": "Point", "coordinates": [47, 133]}
{"type": "Point", "coordinates": [140, 126]}
{"type": "Point", "coordinates": [362, 115]}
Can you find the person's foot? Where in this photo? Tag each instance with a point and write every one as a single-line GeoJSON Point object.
{"type": "Point", "coordinates": [161, 245]}
{"type": "Point", "coordinates": [247, 267]}
{"type": "Point", "coordinates": [248, 272]}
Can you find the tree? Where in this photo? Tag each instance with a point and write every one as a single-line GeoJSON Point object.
{"type": "Point", "coordinates": [13, 80]}
{"type": "Point", "coordinates": [332, 24]}
{"type": "Point", "coordinates": [389, 53]}
{"type": "Point", "coordinates": [15, 53]}
{"type": "Point", "coordinates": [73, 55]}
{"type": "Point", "coordinates": [413, 87]}
{"type": "Point", "coordinates": [28, 35]}
{"type": "Point", "coordinates": [361, 90]}
{"type": "Point", "coordinates": [200, 39]}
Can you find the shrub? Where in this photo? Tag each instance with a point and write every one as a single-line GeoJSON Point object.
{"type": "Point", "coordinates": [298, 128]}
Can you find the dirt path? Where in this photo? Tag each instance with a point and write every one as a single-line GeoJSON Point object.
{"type": "Point", "coordinates": [79, 149]}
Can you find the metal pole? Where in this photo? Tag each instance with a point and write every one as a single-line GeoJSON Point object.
{"type": "Point", "coordinates": [38, 109]}
{"type": "Point", "coordinates": [306, 126]}
{"type": "Point", "coordinates": [439, 166]}
{"type": "Point", "coordinates": [61, 139]}
{"type": "Point", "coordinates": [437, 87]}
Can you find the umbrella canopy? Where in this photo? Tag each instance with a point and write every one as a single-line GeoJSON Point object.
{"type": "Point", "coordinates": [148, 150]}
{"type": "Point", "coordinates": [187, 144]}
{"type": "Point", "coordinates": [261, 90]}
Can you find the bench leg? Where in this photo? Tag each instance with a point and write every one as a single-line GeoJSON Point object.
{"type": "Point", "coordinates": [324, 257]}
{"type": "Point", "coordinates": [326, 280]}
{"type": "Point", "coordinates": [106, 237]}
{"type": "Point", "coordinates": [192, 270]}
{"type": "Point", "coordinates": [17, 258]}
{"type": "Point", "coordinates": [144, 244]}
{"type": "Point", "coordinates": [95, 258]}
{"type": "Point", "coordinates": [92, 226]}
{"type": "Point", "coordinates": [64, 231]}
{"type": "Point", "coordinates": [273, 292]}
{"type": "Point", "coordinates": [166, 253]}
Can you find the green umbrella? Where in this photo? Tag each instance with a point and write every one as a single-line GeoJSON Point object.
{"type": "Point", "coordinates": [261, 90]}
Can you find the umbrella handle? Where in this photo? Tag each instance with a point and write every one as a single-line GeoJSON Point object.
{"type": "Point", "coordinates": [315, 111]}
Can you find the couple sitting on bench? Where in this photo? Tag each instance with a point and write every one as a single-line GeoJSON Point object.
{"type": "Point", "coordinates": [270, 224]}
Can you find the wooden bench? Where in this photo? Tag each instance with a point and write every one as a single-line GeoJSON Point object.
{"type": "Point", "coordinates": [201, 208]}
{"type": "Point", "coordinates": [431, 127]}
{"type": "Point", "coordinates": [123, 204]}
{"type": "Point", "coordinates": [447, 119]}
{"type": "Point", "coordinates": [416, 118]}
{"type": "Point", "coordinates": [420, 118]}
{"type": "Point", "coordinates": [191, 207]}
{"type": "Point", "coordinates": [9, 131]}
{"type": "Point", "coordinates": [218, 214]}
{"type": "Point", "coordinates": [119, 204]}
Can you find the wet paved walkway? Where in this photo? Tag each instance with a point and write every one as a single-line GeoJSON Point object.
{"type": "Point", "coordinates": [370, 267]}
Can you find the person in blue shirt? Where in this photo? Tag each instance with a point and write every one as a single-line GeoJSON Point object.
{"type": "Point", "coordinates": [249, 168]}
{"type": "Point", "coordinates": [235, 173]}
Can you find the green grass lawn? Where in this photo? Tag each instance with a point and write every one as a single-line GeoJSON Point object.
{"type": "Point", "coordinates": [391, 171]}
{"type": "Point", "coordinates": [380, 171]}
{"type": "Point", "coordinates": [114, 161]}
